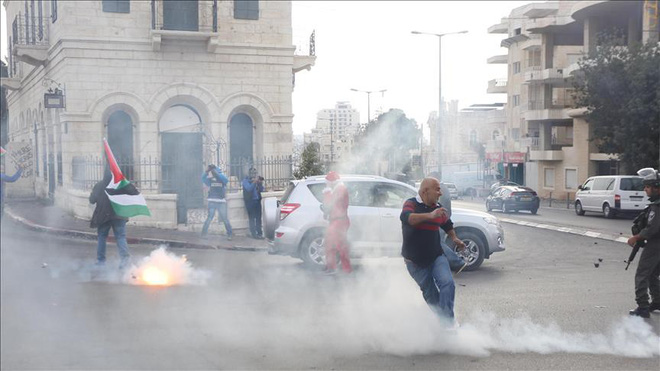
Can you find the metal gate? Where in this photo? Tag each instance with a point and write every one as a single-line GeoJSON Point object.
{"type": "Point", "coordinates": [181, 170]}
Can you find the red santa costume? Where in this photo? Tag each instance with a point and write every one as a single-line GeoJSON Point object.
{"type": "Point", "coordinates": [335, 200]}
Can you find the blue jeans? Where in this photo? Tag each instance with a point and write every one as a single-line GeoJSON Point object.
{"type": "Point", "coordinates": [455, 261]}
{"type": "Point", "coordinates": [437, 285]}
{"type": "Point", "coordinates": [119, 230]}
{"type": "Point", "coordinates": [254, 217]}
{"type": "Point", "coordinates": [221, 207]}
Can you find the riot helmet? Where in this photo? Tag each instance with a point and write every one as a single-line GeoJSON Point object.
{"type": "Point", "coordinates": [650, 177]}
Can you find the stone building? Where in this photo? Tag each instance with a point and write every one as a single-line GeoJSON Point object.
{"type": "Point", "coordinates": [545, 41]}
{"type": "Point", "coordinates": [172, 85]}
{"type": "Point", "coordinates": [334, 132]}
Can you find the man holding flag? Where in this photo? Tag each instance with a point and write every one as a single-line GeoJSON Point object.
{"type": "Point", "coordinates": [116, 200]}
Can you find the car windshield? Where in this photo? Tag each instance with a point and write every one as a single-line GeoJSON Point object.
{"type": "Point", "coordinates": [631, 184]}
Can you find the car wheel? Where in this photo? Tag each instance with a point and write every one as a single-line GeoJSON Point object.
{"type": "Point", "coordinates": [578, 208]}
{"type": "Point", "coordinates": [312, 250]}
{"type": "Point", "coordinates": [608, 212]}
{"type": "Point", "coordinates": [534, 211]}
{"type": "Point", "coordinates": [475, 246]}
{"type": "Point", "coordinates": [488, 206]}
{"type": "Point", "coordinates": [271, 217]}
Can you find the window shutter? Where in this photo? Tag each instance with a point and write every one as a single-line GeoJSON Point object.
{"type": "Point", "coordinates": [246, 9]}
{"type": "Point", "coordinates": [116, 6]}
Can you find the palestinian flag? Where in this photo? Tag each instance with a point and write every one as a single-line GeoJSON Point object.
{"type": "Point", "coordinates": [125, 199]}
{"type": "Point", "coordinates": [2, 151]}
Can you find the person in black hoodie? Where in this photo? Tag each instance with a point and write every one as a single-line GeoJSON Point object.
{"type": "Point", "coordinates": [103, 219]}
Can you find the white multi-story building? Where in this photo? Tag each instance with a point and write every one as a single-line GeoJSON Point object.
{"type": "Point", "coordinates": [465, 131]}
{"type": "Point", "coordinates": [172, 85]}
{"type": "Point", "coordinates": [545, 42]}
{"type": "Point", "coordinates": [335, 131]}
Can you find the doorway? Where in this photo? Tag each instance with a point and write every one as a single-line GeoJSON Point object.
{"type": "Point", "coordinates": [181, 15]}
{"type": "Point", "coordinates": [241, 134]}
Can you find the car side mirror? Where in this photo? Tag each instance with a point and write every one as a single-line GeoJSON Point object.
{"type": "Point", "coordinates": [580, 188]}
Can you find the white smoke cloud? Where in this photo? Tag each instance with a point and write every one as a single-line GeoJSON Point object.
{"type": "Point", "coordinates": [165, 268]}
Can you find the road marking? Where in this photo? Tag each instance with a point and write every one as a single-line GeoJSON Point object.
{"type": "Point", "coordinates": [579, 232]}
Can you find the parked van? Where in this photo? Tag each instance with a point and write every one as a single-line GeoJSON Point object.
{"type": "Point", "coordinates": [611, 195]}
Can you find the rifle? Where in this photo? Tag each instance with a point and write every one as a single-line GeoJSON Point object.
{"type": "Point", "coordinates": [636, 228]}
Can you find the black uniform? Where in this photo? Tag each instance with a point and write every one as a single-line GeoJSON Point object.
{"type": "Point", "coordinates": [648, 269]}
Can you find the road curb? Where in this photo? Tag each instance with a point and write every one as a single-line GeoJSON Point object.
{"type": "Point", "coordinates": [132, 240]}
{"type": "Point", "coordinates": [571, 230]}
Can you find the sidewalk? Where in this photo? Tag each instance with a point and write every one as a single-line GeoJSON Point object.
{"type": "Point", "coordinates": [40, 217]}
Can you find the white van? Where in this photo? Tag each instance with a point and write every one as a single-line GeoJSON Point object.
{"type": "Point", "coordinates": [611, 195]}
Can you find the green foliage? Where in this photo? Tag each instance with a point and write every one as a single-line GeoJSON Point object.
{"type": "Point", "coordinates": [310, 162]}
{"type": "Point", "coordinates": [388, 138]}
{"type": "Point", "coordinates": [620, 87]}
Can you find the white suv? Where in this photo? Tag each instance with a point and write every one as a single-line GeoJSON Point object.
{"type": "Point", "coordinates": [295, 226]}
{"type": "Point", "coordinates": [611, 195]}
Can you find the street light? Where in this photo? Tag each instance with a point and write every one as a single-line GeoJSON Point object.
{"type": "Point", "coordinates": [368, 99]}
{"type": "Point", "coordinates": [437, 126]}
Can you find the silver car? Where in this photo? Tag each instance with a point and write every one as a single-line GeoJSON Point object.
{"type": "Point", "coordinates": [295, 226]}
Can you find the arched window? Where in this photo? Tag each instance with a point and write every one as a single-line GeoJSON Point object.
{"type": "Point", "coordinates": [496, 134]}
{"type": "Point", "coordinates": [473, 137]}
{"type": "Point", "coordinates": [120, 139]}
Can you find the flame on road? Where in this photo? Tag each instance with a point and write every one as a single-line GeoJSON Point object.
{"type": "Point", "coordinates": [163, 268]}
{"type": "Point", "coordinates": [154, 276]}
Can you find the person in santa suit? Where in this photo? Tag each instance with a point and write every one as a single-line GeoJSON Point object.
{"type": "Point", "coordinates": [335, 208]}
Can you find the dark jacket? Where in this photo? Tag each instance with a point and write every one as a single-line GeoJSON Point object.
{"type": "Point", "coordinates": [103, 212]}
{"type": "Point", "coordinates": [651, 230]}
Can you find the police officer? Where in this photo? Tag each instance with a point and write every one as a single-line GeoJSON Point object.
{"type": "Point", "coordinates": [648, 269]}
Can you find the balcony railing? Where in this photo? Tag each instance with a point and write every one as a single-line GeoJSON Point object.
{"type": "Point", "coordinates": [30, 30]}
{"type": "Point", "coordinates": [496, 86]}
{"type": "Point", "coordinates": [159, 21]}
{"type": "Point", "coordinates": [29, 41]}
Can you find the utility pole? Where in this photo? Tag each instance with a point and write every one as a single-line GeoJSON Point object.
{"type": "Point", "coordinates": [438, 126]}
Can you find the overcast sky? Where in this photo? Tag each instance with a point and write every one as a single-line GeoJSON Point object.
{"type": "Point", "coordinates": [368, 46]}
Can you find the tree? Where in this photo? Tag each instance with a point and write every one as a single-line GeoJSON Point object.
{"type": "Point", "coordinates": [310, 162]}
{"type": "Point", "coordinates": [620, 87]}
{"type": "Point", "coordinates": [388, 138]}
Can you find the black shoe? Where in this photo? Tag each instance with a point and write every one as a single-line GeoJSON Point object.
{"type": "Point", "coordinates": [654, 306]}
{"type": "Point", "coordinates": [640, 312]}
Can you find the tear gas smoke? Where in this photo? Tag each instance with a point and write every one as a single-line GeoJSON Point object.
{"type": "Point", "coordinates": [379, 309]}
{"type": "Point", "coordinates": [160, 268]}
{"type": "Point", "coordinates": [163, 268]}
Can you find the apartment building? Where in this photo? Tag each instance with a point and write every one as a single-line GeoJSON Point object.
{"type": "Point", "coordinates": [543, 129]}
{"type": "Point", "coordinates": [463, 133]}
{"type": "Point", "coordinates": [172, 85]}
{"type": "Point", "coordinates": [335, 131]}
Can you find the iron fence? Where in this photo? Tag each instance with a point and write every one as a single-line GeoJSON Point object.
{"type": "Point", "coordinates": [154, 175]}
{"type": "Point", "coordinates": [30, 30]}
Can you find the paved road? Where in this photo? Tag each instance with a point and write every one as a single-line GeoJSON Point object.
{"type": "Point", "coordinates": [559, 217]}
{"type": "Point", "coordinates": [540, 305]}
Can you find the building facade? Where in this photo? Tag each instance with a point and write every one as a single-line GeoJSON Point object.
{"type": "Point", "coordinates": [334, 132]}
{"type": "Point", "coordinates": [172, 85]}
{"type": "Point", "coordinates": [545, 41]}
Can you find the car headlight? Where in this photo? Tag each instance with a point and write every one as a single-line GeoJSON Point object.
{"type": "Point", "coordinates": [491, 220]}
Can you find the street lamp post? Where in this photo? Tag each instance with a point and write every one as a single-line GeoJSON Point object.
{"type": "Point", "coordinates": [368, 100]}
{"type": "Point", "coordinates": [438, 140]}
